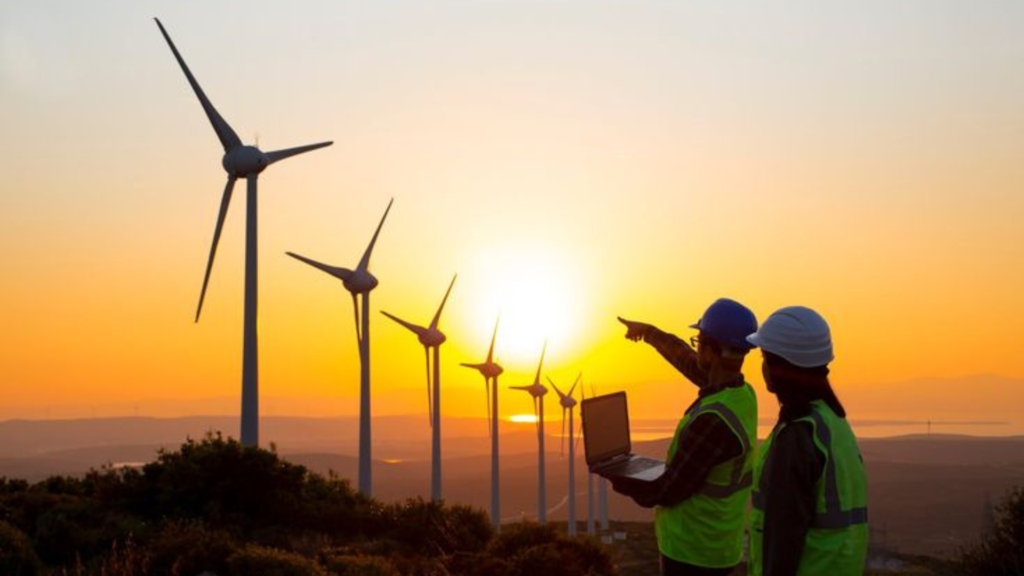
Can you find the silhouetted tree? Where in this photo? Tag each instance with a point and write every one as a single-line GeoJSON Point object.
{"type": "Point", "coordinates": [1000, 552]}
{"type": "Point", "coordinates": [17, 558]}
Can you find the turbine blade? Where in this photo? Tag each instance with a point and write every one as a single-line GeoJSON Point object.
{"type": "Point", "coordinates": [561, 445]}
{"type": "Point", "coordinates": [430, 408]}
{"type": "Point", "coordinates": [437, 317]}
{"type": "Point", "coordinates": [579, 436]}
{"type": "Point", "coordinates": [342, 274]}
{"type": "Point", "coordinates": [225, 134]}
{"type": "Point", "coordinates": [225, 201]}
{"type": "Point", "coordinates": [355, 309]}
{"type": "Point", "coordinates": [578, 376]}
{"type": "Point", "coordinates": [543, 352]}
{"type": "Point", "coordinates": [552, 382]}
{"type": "Point", "coordinates": [526, 388]}
{"type": "Point", "coordinates": [278, 155]}
{"type": "Point", "coordinates": [474, 366]}
{"type": "Point", "coordinates": [364, 263]}
{"type": "Point", "coordinates": [490, 353]}
{"type": "Point", "coordinates": [412, 327]}
{"type": "Point", "coordinates": [487, 390]}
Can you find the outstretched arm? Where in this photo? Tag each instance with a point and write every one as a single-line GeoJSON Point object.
{"type": "Point", "coordinates": [672, 348]}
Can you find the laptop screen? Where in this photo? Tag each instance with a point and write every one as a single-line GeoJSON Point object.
{"type": "Point", "coordinates": [605, 427]}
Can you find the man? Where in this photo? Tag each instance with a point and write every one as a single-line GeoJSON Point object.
{"type": "Point", "coordinates": [700, 500]}
{"type": "Point", "coordinates": [810, 501]}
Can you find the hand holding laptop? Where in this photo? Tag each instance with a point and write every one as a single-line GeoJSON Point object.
{"type": "Point", "coordinates": [607, 444]}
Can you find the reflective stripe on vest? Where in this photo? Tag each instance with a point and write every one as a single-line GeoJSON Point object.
{"type": "Point", "coordinates": [706, 529]}
{"type": "Point", "coordinates": [738, 481]}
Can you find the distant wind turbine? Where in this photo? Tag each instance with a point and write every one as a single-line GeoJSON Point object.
{"type": "Point", "coordinates": [569, 406]}
{"type": "Point", "coordinates": [247, 162]}
{"type": "Point", "coordinates": [359, 281]}
{"type": "Point", "coordinates": [590, 477]}
{"type": "Point", "coordinates": [431, 337]}
{"type": "Point", "coordinates": [490, 371]}
{"type": "Point", "coordinates": [537, 391]}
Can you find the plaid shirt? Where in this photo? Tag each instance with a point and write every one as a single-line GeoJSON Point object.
{"type": "Point", "coordinates": [706, 442]}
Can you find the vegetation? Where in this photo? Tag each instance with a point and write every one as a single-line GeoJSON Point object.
{"type": "Point", "coordinates": [216, 506]}
{"type": "Point", "coordinates": [1001, 548]}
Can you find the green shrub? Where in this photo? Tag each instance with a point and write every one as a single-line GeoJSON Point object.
{"type": "Point", "coordinates": [430, 528]}
{"type": "Point", "coordinates": [515, 538]}
{"type": "Point", "coordinates": [1001, 550]}
{"type": "Point", "coordinates": [352, 565]}
{"type": "Point", "coordinates": [259, 561]}
{"type": "Point", "coordinates": [188, 549]}
{"type": "Point", "coordinates": [531, 549]}
{"type": "Point", "coordinates": [17, 558]}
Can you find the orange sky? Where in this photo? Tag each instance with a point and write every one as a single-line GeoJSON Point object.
{"type": "Point", "coordinates": [571, 162]}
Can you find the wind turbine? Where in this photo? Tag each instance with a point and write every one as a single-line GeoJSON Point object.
{"type": "Point", "coordinates": [569, 405]}
{"type": "Point", "coordinates": [590, 476]}
{"type": "Point", "coordinates": [490, 371]}
{"type": "Point", "coordinates": [431, 337]}
{"type": "Point", "coordinates": [359, 281]}
{"type": "Point", "coordinates": [247, 162]}
{"type": "Point", "coordinates": [537, 391]}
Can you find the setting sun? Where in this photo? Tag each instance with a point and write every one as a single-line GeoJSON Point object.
{"type": "Point", "coordinates": [533, 290]}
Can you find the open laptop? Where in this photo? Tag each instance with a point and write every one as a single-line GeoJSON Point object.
{"type": "Point", "coordinates": [606, 440]}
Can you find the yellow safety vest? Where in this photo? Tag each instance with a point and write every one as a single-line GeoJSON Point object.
{"type": "Point", "coordinates": [837, 542]}
{"type": "Point", "coordinates": [706, 529]}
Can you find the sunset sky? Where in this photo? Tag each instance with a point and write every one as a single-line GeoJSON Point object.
{"type": "Point", "coordinates": [571, 160]}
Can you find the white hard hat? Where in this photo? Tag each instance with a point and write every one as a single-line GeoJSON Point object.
{"type": "Point", "coordinates": [797, 334]}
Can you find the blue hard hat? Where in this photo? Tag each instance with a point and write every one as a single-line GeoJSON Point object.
{"type": "Point", "coordinates": [728, 322]}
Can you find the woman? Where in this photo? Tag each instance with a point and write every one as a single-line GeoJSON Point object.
{"type": "Point", "coordinates": [809, 513]}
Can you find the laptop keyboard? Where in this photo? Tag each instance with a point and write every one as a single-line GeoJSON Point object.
{"type": "Point", "coordinates": [637, 465]}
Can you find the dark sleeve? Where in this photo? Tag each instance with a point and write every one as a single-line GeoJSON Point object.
{"type": "Point", "coordinates": [796, 465]}
{"type": "Point", "coordinates": [678, 353]}
{"type": "Point", "coordinates": [705, 443]}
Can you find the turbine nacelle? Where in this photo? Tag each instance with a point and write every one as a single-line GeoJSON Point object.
{"type": "Point", "coordinates": [360, 282]}
{"type": "Point", "coordinates": [535, 390]}
{"type": "Point", "coordinates": [488, 369]}
{"type": "Point", "coordinates": [431, 338]}
{"type": "Point", "coordinates": [566, 400]}
{"type": "Point", "coordinates": [244, 161]}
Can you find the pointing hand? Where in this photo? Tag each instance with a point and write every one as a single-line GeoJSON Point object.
{"type": "Point", "coordinates": [635, 331]}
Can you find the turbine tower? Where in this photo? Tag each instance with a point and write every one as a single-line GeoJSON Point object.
{"type": "Point", "coordinates": [569, 406]}
{"type": "Point", "coordinates": [247, 162]}
{"type": "Point", "coordinates": [359, 282]}
{"type": "Point", "coordinates": [590, 476]}
{"type": "Point", "coordinates": [537, 391]}
{"type": "Point", "coordinates": [431, 337]}
{"type": "Point", "coordinates": [490, 371]}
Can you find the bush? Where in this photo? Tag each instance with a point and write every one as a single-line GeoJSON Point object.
{"type": "Point", "coordinates": [259, 561]}
{"type": "Point", "coordinates": [188, 549]}
{"type": "Point", "coordinates": [1001, 549]}
{"type": "Point", "coordinates": [349, 565]}
{"type": "Point", "coordinates": [515, 538]}
{"type": "Point", "coordinates": [532, 549]}
{"type": "Point", "coordinates": [430, 528]}
{"type": "Point", "coordinates": [17, 558]}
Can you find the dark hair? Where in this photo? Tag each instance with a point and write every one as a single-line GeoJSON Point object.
{"type": "Point", "coordinates": [797, 387]}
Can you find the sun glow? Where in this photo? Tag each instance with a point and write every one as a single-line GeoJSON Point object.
{"type": "Point", "coordinates": [523, 418]}
{"type": "Point", "coordinates": [534, 292]}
